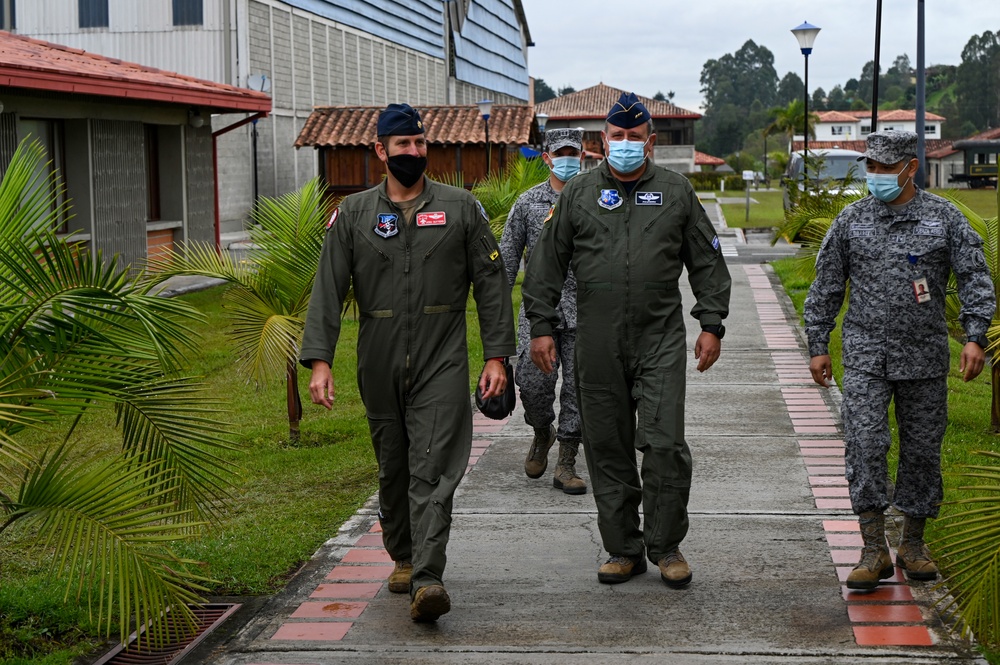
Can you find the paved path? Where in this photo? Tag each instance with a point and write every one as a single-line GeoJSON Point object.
{"type": "Point", "coordinates": [771, 540]}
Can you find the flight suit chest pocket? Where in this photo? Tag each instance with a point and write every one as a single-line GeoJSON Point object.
{"type": "Point", "coordinates": [926, 249]}
{"type": "Point", "coordinates": [372, 274]}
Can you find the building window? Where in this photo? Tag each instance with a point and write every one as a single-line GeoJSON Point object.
{"type": "Point", "coordinates": [8, 15]}
{"type": "Point", "coordinates": [188, 12]}
{"type": "Point", "coordinates": [837, 130]}
{"type": "Point", "coordinates": [866, 129]}
{"type": "Point", "coordinates": [93, 13]}
{"type": "Point", "coordinates": [930, 129]}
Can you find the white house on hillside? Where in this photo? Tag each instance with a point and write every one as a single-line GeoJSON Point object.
{"type": "Point", "coordinates": [856, 125]}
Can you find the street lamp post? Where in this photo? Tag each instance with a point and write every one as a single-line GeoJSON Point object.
{"type": "Point", "coordinates": [485, 106]}
{"type": "Point", "coordinates": [806, 35]}
{"type": "Point", "coordinates": [542, 119]}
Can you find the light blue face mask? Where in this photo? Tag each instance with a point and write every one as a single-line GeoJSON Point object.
{"type": "Point", "coordinates": [565, 168]}
{"type": "Point", "coordinates": [885, 186]}
{"type": "Point", "coordinates": [626, 156]}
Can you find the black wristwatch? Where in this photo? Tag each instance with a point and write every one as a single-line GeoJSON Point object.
{"type": "Point", "coordinates": [717, 330]}
{"type": "Point", "coordinates": [978, 339]}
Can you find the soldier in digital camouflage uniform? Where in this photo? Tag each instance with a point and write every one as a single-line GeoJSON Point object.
{"type": "Point", "coordinates": [411, 247]}
{"type": "Point", "coordinates": [896, 247]}
{"type": "Point", "coordinates": [563, 153]}
{"type": "Point", "coordinates": [628, 229]}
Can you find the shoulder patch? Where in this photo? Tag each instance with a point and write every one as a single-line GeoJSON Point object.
{"type": "Point", "coordinates": [482, 211]}
{"type": "Point", "coordinates": [333, 219]}
{"type": "Point", "coordinates": [552, 211]}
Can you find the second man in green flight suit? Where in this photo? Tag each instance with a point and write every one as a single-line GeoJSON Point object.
{"type": "Point", "coordinates": [627, 229]}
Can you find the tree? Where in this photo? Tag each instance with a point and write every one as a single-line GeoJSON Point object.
{"type": "Point", "coordinates": [740, 78]}
{"type": "Point", "coordinates": [500, 190]}
{"type": "Point", "coordinates": [543, 91]}
{"type": "Point", "coordinates": [788, 120]}
{"type": "Point", "coordinates": [836, 100]}
{"type": "Point", "coordinates": [659, 96]}
{"type": "Point", "coordinates": [77, 336]}
{"type": "Point", "coordinates": [818, 102]}
{"type": "Point", "coordinates": [566, 90]}
{"type": "Point", "coordinates": [269, 293]}
{"type": "Point", "coordinates": [978, 86]}
{"type": "Point", "coordinates": [789, 89]}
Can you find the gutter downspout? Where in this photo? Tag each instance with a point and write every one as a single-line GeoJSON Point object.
{"type": "Point", "coordinates": [215, 167]}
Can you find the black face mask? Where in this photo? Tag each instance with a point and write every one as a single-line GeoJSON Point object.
{"type": "Point", "coordinates": [407, 169]}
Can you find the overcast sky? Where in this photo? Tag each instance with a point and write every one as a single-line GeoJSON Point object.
{"type": "Point", "coordinates": [663, 44]}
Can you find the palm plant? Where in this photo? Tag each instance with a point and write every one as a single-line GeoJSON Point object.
{"type": "Point", "coordinates": [269, 292]}
{"type": "Point", "coordinates": [500, 190]}
{"type": "Point", "coordinates": [76, 336]}
{"type": "Point", "coordinates": [788, 120]}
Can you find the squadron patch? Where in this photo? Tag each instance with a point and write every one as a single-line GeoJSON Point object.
{"type": "Point", "coordinates": [333, 219]}
{"type": "Point", "coordinates": [552, 211]}
{"type": "Point", "coordinates": [386, 225]}
{"type": "Point", "coordinates": [431, 219]}
{"type": "Point", "coordinates": [610, 199]}
{"type": "Point", "coordinates": [649, 198]}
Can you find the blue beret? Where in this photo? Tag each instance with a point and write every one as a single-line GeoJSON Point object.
{"type": "Point", "coordinates": [399, 120]}
{"type": "Point", "coordinates": [628, 112]}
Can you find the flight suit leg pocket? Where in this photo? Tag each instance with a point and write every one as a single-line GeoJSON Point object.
{"type": "Point", "coordinates": [389, 443]}
{"type": "Point", "coordinates": [426, 458]}
{"type": "Point", "coordinates": [598, 410]}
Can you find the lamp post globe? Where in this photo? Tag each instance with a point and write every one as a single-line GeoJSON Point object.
{"type": "Point", "coordinates": [806, 35]}
{"type": "Point", "coordinates": [485, 106]}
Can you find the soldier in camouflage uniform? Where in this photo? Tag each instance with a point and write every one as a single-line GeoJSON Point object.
{"type": "Point", "coordinates": [896, 247]}
{"type": "Point", "coordinates": [563, 153]}
{"type": "Point", "coordinates": [410, 248]}
{"type": "Point", "coordinates": [628, 229]}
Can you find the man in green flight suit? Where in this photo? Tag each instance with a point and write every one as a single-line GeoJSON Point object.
{"type": "Point", "coordinates": [412, 247]}
{"type": "Point", "coordinates": [627, 229]}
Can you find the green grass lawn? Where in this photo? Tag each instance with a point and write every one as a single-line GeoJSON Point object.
{"type": "Point", "coordinates": [968, 414]}
{"type": "Point", "coordinates": [767, 209]}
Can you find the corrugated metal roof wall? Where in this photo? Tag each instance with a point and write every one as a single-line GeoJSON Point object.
{"type": "Point", "coordinates": [488, 51]}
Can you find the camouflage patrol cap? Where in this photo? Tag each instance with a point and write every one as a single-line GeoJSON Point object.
{"type": "Point", "coordinates": [563, 137]}
{"type": "Point", "coordinates": [890, 146]}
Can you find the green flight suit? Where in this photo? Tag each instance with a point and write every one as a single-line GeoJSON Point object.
{"type": "Point", "coordinates": [627, 252]}
{"type": "Point", "coordinates": [411, 283]}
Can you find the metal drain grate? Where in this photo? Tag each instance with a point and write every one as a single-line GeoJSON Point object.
{"type": "Point", "coordinates": [208, 617]}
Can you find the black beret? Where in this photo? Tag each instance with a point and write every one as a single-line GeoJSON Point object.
{"type": "Point", "coordinates": [399, 120]}
{"type": "Point", "coordinates": [628, 112]}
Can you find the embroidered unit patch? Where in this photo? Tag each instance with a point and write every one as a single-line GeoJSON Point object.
{"type": "Point", "coordinates": [431, 219]}
{"type": "Point", "coordinates": [649, 198]}
{"type": "Point", "coordinates": [386, 225]}
{"type": "Point", "coordinates": [610, 199]}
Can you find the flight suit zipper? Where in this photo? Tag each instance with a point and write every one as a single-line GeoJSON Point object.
{"type": "Point", "coordinates": [407, 289]}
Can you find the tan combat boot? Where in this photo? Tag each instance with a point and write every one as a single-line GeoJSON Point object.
{"type": "Point", "coordinates": [621, 568]}
{"type": "Point", "coordinates": [429, 603]}
{"type": "Point", "coordinates": [912, 555]}
{"type": "Point", "coordinates": [399, 578]}
{"type": "Point", "coordinates": [674, 570]}
{"type": "Point", "coordinates": [875, 564]}
{"type": "Point", "coordinates": [538, 454]}
{"type": "Point", "coordinates": [565, 477]}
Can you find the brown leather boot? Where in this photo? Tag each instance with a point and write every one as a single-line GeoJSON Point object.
{"type": "Point", "coordinates": [912, 555]}
{"type": "Point", "coordinates": [565, 477]}
{"type": "Point", "coordinates": [429, 602]}
{"type": "Point", "coordinates": [399, 578]}
{"type": "Point", "coordinates": [674, 570]}
{"type": "Point", "coordinates": [538, 454]}
{"type": "Point", "coordinates": [621, 568]}
{"type": "Point", "coordinates": [875, 564]}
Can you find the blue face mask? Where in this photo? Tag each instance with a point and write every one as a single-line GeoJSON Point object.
{"type": "Point", "coordinates": [565, 168]}
{"type": "Point", "coordinates": [885, 186]}
{"type": "Point", "coordinates": [626, 156]}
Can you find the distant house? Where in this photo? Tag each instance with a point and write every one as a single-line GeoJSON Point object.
{"type": "Point", "coordinates": [306, 53]}
{"type": "Point", "coordinates": [134, 146]}
{"type": "Point", "coordinates": [589, 107]}
{"type": "Point", "coordinates": [456, 135]}
{"type": "Point", "coordinates": [706, 162]}
{"type": "Point", "coordinates": [950, 159]}
{"type": "Point", "coordinates": [847, 126]}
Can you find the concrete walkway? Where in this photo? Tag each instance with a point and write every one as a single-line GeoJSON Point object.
{"type": "Point", "coordinates": [771, 540]}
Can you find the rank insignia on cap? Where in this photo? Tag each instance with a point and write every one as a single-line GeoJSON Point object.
{"type": "Point", "coordinates": [552, 211]}
{"type": "Point", "coordinates": [333, 219]}
{"type": "Point", "coordinates": [386, 225]}
{"type": "Point", "coordinates": [610, 199]}
{"type": "Point", "coordinates": [649, 198]}
{"type": "Point", "coordinates": [431, 219]}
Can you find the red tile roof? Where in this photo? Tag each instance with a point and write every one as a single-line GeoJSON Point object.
{"type": "Point", "coordinates": [702, 159]}
{"type": "Point", "coordinates": [33, 64]}
{"type": "Point", "coordinates": [859, 146]}
{"type": "Point", "coordinates": [341, 126]}
{"type": "Point", "coordinates": [835, 116]}
{"type": "Point", "coordinates": [596, 101]}
{"type": "Point", "coordinates": [897, 114]}
{"type": "Point", "coordinates": [946, 148]}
